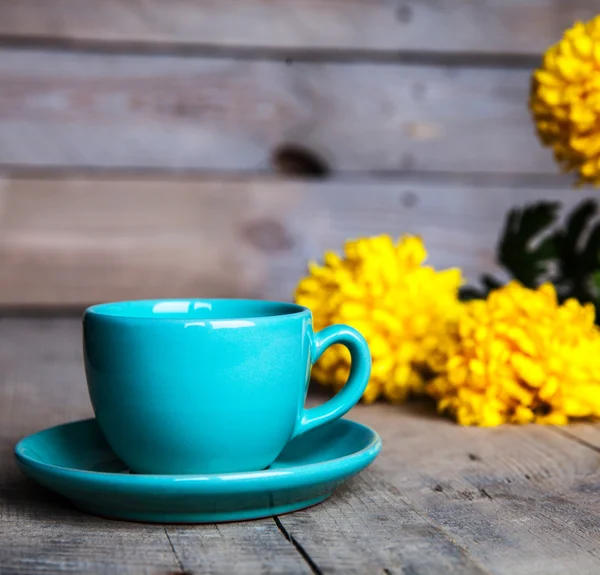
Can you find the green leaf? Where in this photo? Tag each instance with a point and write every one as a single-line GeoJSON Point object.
{"type": "Point", "coordinates": [490, 282]}
{"type": "Point", "coordinates": [596, 284]}
{"type": "Point", "coordinates": [532, 251]}
{"type": "Point", "coordinates": [521, 250]}
{"type": "Point", "coordinates": [578, 257]}
{"type": "Point", "coordinates": [592, 249]}
{"type": "Point", "coordinates": [469, 293]}
{"type": "Point", "coordinates": [577, 223]}
{"type": "Point", "coordinates": [572, 270]}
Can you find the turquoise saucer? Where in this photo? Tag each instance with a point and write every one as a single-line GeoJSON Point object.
{"type": "Point", "coordinates": [74, 460]}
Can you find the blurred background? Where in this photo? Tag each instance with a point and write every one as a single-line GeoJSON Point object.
{"type": "Point", "coordinates": [177, 148]}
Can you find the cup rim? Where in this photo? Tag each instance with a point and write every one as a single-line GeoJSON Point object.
{"type": "Point", "coordinates": [283, 310]}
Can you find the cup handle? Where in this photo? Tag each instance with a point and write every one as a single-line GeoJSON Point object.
{"type": "Point", "coordinates": [350, 394]}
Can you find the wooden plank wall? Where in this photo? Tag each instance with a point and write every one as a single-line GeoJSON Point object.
{"type": "Point", "coordinates": [143, 143]}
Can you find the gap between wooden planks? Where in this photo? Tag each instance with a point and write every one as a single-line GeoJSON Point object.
{"type": "Point", "coordinates": [462, 26]}
{"type": "Point", "coordinates": [440, 498]}
{"type": "Point", "coordinates": [75, 241]}
{"type": "Point", "coordinates": [86, 109]}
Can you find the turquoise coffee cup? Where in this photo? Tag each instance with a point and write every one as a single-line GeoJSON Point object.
{"type": "Point", "coordinates": [209, 386]}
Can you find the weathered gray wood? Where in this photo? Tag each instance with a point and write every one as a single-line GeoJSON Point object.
{"type": "Point", "coordinates": [79, 241]}
{"type": "Point", "coordinates": [586, 433]}
{"type": "Point", "coordinates": [517, 499]}
{"type": "Point", "coordinates": [498, 26]}
{"type": "Point", "coordinates": [84, 109]}
{"type": "Point", "coordinates": [49, 539]}
{"type": "Point", "coordinates": [259, 548]}
{"type": "Point", "coordinates": [41, 384]}
{"type": "Point", "coordinates": [370, 528]}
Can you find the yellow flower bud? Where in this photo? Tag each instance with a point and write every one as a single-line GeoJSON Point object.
{"type": "Point", "coordinates": [539, 361]}
{"type": "Point", "coordinates": [381, 287]}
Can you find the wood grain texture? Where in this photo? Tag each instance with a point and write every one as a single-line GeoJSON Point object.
{"type": "Point", "coordinates": [586, 433]}
{"type": "Point", "coordinates": [370, 528]}
{"type": "Point", "coordinates": [463, 26]}
{"type": "Point", "coordinates": [518, 499]}
{"type": "Point", "coordinates": [259, 548]}
{"type": "Point", "coordinates": [85, 109]}
{"type": "Point", "coordinates": [79, 241]}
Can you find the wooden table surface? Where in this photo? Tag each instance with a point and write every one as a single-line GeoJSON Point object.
{"type": "Point", "coordinates": [439, 499]}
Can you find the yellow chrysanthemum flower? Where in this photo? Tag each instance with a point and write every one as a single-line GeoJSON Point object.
{"type": "Point", "coordinates": [400, 306]}
{"type": "Point", "coordinates": [520, 357]}
{"type": "Point", "coordinates": [565, 100]}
